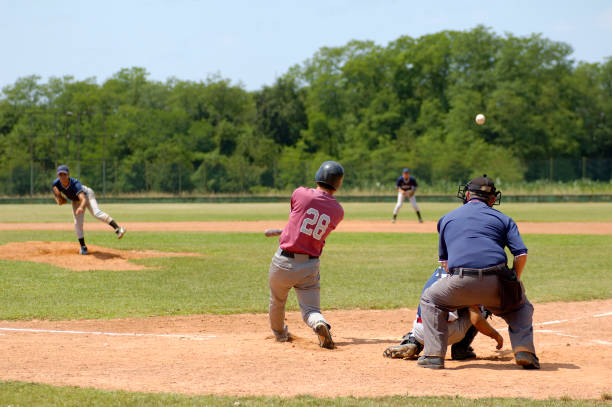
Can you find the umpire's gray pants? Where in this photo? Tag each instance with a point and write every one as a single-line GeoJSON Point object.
{"type": "Point", "coordinates": [456, 291]}
{"type": "Point", "coordinates": [302, 274]}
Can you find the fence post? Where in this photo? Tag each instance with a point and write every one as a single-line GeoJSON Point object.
{"type": "Point", "coordinates": [550, 169]}
{"type": "Point", "coordinates": [31, 158]}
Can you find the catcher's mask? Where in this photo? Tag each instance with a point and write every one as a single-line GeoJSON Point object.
{"type": "Point", "coordinates": [481, 188]}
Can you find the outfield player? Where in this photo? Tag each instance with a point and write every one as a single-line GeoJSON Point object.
{"type": "Point", "coordinates": [463, 325]}
{"type": "Point", "coordinates": [314, 214]}
{"type": "Point", "coordinates": [406, 188]}
{"type": "Point", "coordinates": [82, 197]}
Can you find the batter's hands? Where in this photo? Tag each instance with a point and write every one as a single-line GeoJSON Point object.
{"type": "Point", "coordinates": [273, 232]}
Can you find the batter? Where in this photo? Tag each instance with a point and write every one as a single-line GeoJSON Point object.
{"type": "Point", "coordinates": [314, 214]}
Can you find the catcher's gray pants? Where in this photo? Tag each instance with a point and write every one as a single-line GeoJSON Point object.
{"type": "Point", "coordinates": [458, 291]}
{"type": "Point", "coordinates": [92, 206]}
{"type": "Point", "coordinates": [301, 273]}
{"type": "Point", "coordinates": [456, 328]}
{"type": "Point", "coordinates": [400, 200]}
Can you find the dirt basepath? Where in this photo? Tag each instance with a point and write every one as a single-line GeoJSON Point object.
{"type": "Point", "coordinates": [557, 228]}
{"type": "Point", "coordinates": [236, 355]}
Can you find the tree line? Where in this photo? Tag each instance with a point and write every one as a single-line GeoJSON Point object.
{"type": "Point", "coordinates": [374, 108]}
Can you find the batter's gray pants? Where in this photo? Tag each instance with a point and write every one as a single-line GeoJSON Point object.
{"type": "Point", "coordinates": [92, 206]}
{"type": "Point", "coordinates": [302, 274]}
{"type": "Point", "coordinates": [456, 291]}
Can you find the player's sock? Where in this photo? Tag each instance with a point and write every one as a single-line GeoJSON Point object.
{"type": "Point", "coordinates": [114, 225]}
{"type": "Point", "coordinates": [419, 215]}
{"type": "Point", "coordinates": [82, 241]}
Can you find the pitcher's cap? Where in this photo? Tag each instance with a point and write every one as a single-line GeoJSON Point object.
{"type": "Point", "coordinates": [63, 169]}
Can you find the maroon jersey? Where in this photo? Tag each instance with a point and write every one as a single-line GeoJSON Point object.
{"type": "Point", "coordinates": [314, 214]}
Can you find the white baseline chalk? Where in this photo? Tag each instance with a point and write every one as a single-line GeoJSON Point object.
{"type": "Point", "coordinates": [57, 331]}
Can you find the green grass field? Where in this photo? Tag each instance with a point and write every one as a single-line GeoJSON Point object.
{"type": "Point", "coordinates": [182, 212]}
{"type": "Point", "coordinates": [358, 270]}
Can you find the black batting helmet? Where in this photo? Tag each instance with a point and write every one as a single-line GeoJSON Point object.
{"type": "Point", "coordinates": [480, 187]}
{"type": "Point", "coordinates": [330, 175]}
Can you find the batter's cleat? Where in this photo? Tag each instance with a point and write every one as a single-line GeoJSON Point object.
{"type": "Point", "coordinates": [394, 218]}
{"type": "Point", "coordinates": [407, 351]}
{"type": "Point", "coordinates": [325, 339]}
{"type": "Point", "coordinates": [83, 250]}
{"type": "Point", "coordinates": [120, 231]}
{"type": "Point", "coordinates": [431, 362]}
{"type": "Point", "coordinates": [284, 337]}
{"type": "Point", "coordinates": [527, 359]}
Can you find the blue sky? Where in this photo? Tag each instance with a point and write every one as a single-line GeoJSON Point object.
{"type": "Point", "coordinates": [254, 42]}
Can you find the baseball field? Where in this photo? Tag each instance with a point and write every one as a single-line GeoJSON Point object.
{"type": "Point", "coordinates": [175, 312]}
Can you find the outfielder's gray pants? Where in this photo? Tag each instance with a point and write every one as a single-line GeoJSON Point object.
{"type": "Point", "coordinates": [302, 274]}
{"type": "Point", "coordinates": [454, 292]}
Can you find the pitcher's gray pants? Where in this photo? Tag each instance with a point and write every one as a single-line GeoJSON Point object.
{"type": "Point", "coordinates": [456, 291]}
{"type": "Point", "coordinates": [302, 274]}
{"type": "Point", "coordinates": [92, 206]}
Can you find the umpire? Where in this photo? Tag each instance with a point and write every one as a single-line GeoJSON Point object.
{"type": "Point", "coordinates": [471, 247]}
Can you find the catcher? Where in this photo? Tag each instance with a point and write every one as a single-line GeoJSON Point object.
{"type": "Point", "coordinates": [82, 197]}
{"type": "Point", "coordinates": [463, 325]}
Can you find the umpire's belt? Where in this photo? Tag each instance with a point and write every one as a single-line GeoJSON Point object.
{"type": "Point", "coordinates": [292, 255]}
{"type": "Point", "coordinates": [465, 271]}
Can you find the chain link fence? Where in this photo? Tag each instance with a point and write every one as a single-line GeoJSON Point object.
{"type": "Point", "coordinates": [111, 177]}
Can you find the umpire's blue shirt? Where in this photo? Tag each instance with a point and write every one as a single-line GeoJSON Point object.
{"type": "Point", "coordinates": [475, 235]}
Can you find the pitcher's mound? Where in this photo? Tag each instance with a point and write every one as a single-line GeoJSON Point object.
{"type": "Point", "coordinates": [66, 254]}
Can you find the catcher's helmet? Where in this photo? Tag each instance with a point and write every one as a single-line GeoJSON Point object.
{"type": "Point", "coordinates": [330, 175]}
{"type": "Point", "coordinates": [480, 187]}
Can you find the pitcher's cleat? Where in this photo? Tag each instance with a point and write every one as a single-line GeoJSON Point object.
{"type": "Point", "coordinates": [120, 231]}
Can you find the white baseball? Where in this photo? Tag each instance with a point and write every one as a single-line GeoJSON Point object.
{"type": "Point", "coordinates": [480, 119]}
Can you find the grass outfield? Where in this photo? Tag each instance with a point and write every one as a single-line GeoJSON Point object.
{"type": "Point", "coordinates": [26, 394]}
{"type": "Point", "coordinates": [358, 270]}
{"type": "Point", "coordinates": [180, 212]}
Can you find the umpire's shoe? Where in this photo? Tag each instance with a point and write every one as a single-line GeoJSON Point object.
{"type": "Point", "coordinates": [325, 339]}
{"type": "Point", "coordinates": [431, 362]}
{"type": "Point", "coordinates": [527, 359]}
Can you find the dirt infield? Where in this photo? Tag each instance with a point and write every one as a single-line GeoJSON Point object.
{"type": "Point", "coordinates": [236, 355]}
{"type": "Point", "coordinates": [65, 254]}
{"type": "Point", "coordinates": [402, 226]}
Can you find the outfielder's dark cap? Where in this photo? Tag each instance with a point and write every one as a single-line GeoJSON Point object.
{"type": "Point", "coordinates": [63, 169]}
{"type": "Point", "coordinates": [406, 170]}
{"type": "Point", "coordinates": [482, 185]}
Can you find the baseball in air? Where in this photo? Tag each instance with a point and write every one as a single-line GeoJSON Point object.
{"type": "Point", "coordinates": [480, 119]}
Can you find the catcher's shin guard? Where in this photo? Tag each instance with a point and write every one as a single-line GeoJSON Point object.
{"type": "Point", "coordinates": [462, 349]}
